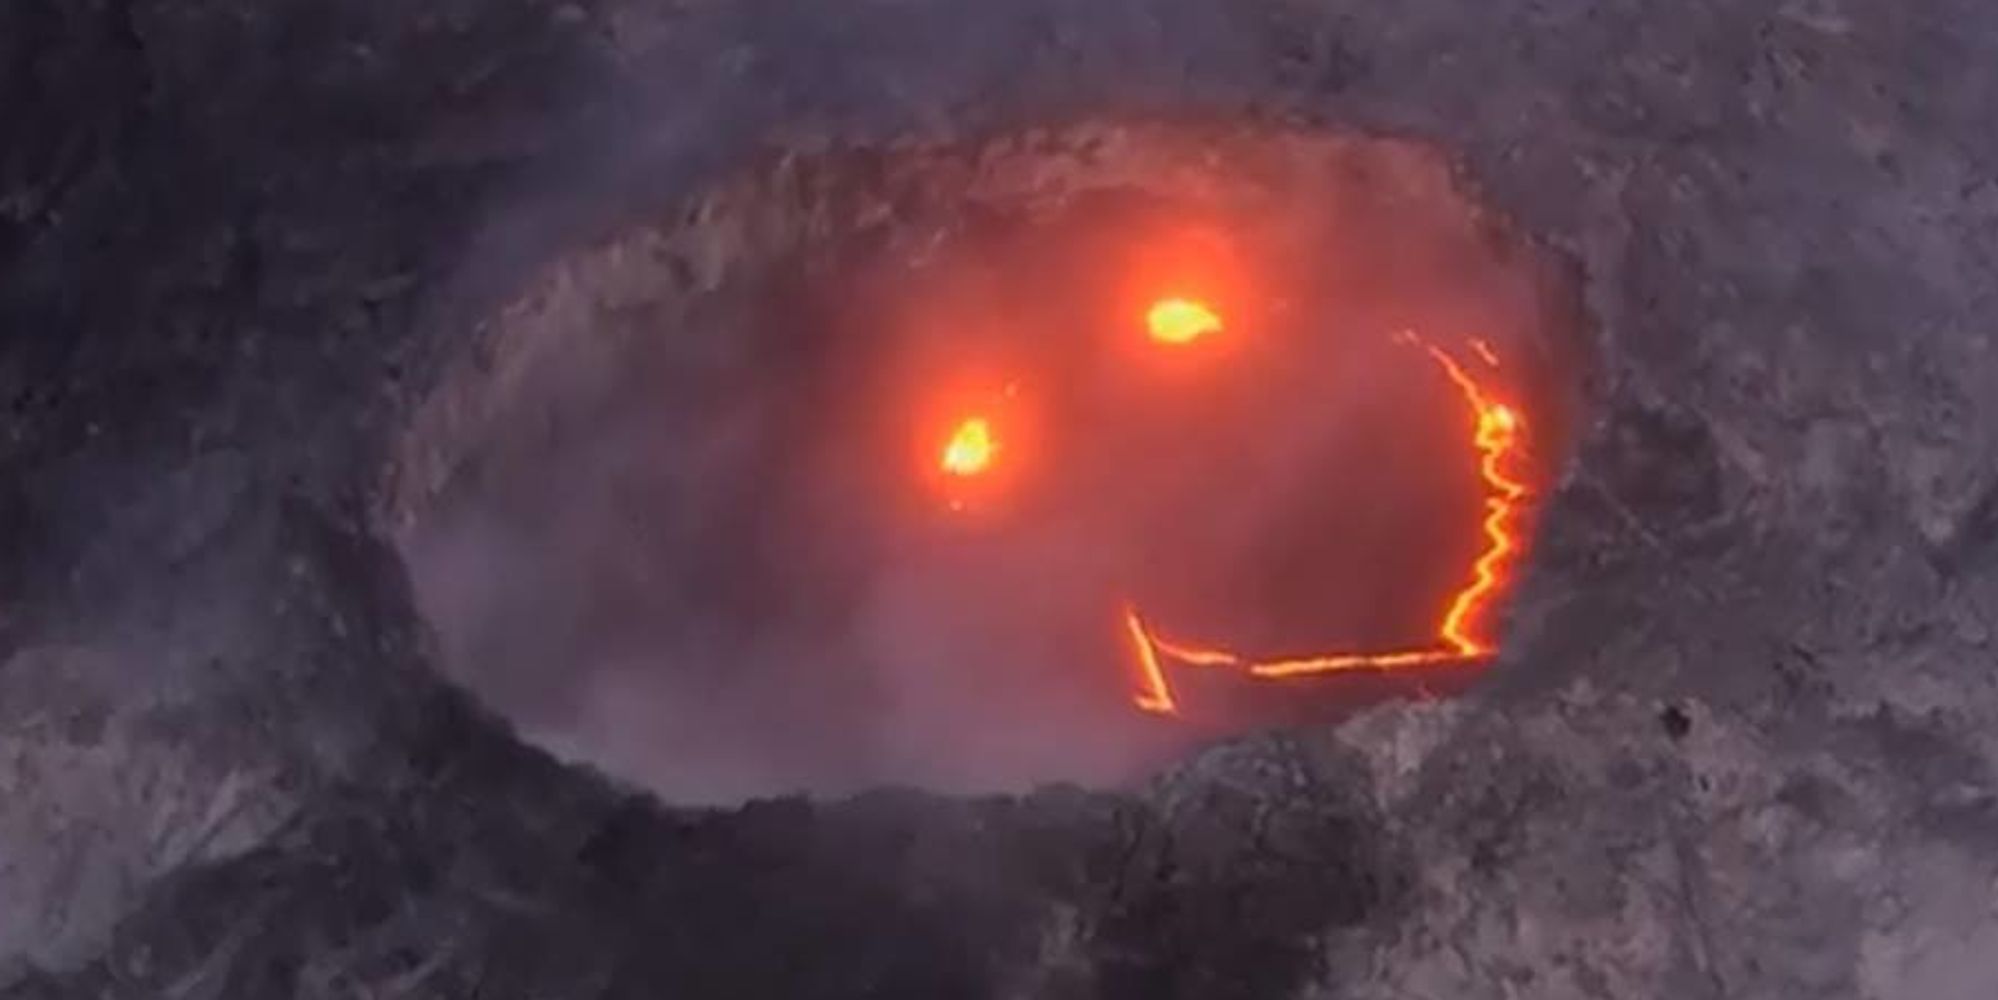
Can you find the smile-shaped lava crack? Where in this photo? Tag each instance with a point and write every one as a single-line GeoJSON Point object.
{"type": "Point", "coordinates": [1462, 632]}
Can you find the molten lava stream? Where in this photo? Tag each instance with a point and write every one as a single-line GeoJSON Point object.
{"type": "Point", "coordinates": [1495, 436]}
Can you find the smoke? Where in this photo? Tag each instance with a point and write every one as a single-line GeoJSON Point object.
{"type": "Point", "coordinates": [715, 564]}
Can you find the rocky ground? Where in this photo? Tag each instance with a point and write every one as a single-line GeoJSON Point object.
{"type": "Point", "coordinates": [1740, 744]}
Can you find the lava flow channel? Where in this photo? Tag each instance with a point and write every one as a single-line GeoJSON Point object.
{"type": "Point", "coordinates": [1460, 636]}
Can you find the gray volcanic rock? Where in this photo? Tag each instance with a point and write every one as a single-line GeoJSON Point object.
{"type": "Point", "coordinates": [1740, 743]}
{"type": "Point", "coordinates": [1603, 847]}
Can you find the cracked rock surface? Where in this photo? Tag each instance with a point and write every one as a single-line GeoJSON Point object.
{"type": "Point", "coordinates": [1740, 744]}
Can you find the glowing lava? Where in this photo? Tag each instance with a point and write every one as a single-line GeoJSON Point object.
{"type": "Point", "coordinates": [1180, 321]}
{"type": "Point", "coordinates": [1154, 694]}
{"type": "Point", "coordinates": [1495, 434]}
{"type": "Point", "coordinates": [970, 448]}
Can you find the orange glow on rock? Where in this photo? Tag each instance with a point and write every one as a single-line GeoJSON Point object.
{"type": "Point", "coordinates": [1460, 632]}
{"type": "Point", "coordinates": [1180, 321]}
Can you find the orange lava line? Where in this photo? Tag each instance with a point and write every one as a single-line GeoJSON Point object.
{"type": "Point", "coordinates": [1495, 438]}
{"type": "Point", "coordinates": [1196, 656]}
{"type": "Point", "coordinates": [1497, 434]}
{"type": "Point", "coordinates": [1485, 352]}
{"type": "Point", "coordinates": [1156, 694]}
{"type": "Point", "coordinates": [1353, 661]}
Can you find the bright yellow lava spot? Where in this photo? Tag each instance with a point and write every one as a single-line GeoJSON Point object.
{"type": "Point", "coordinates": [1181, 321]}
{"type": "Point", "coordinates": [970, 449]}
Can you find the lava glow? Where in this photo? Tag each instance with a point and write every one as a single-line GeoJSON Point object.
{"type": "Point", "coordinates": [1154, 694]}
{"type": "Point", "coordinates": [1180, 321]}
{"type": "Point", "coordinates": [970, 448]}
{"type": "Point", "coordinates": [1485, 352]}
{"type": "Point", "coordinates": [1460, 631]}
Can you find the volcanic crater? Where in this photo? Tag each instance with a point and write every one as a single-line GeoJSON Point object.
{"type": "Point", "coordinates": [689, 516]}
{"type": "Point", "coordinates": [1433, 499]}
